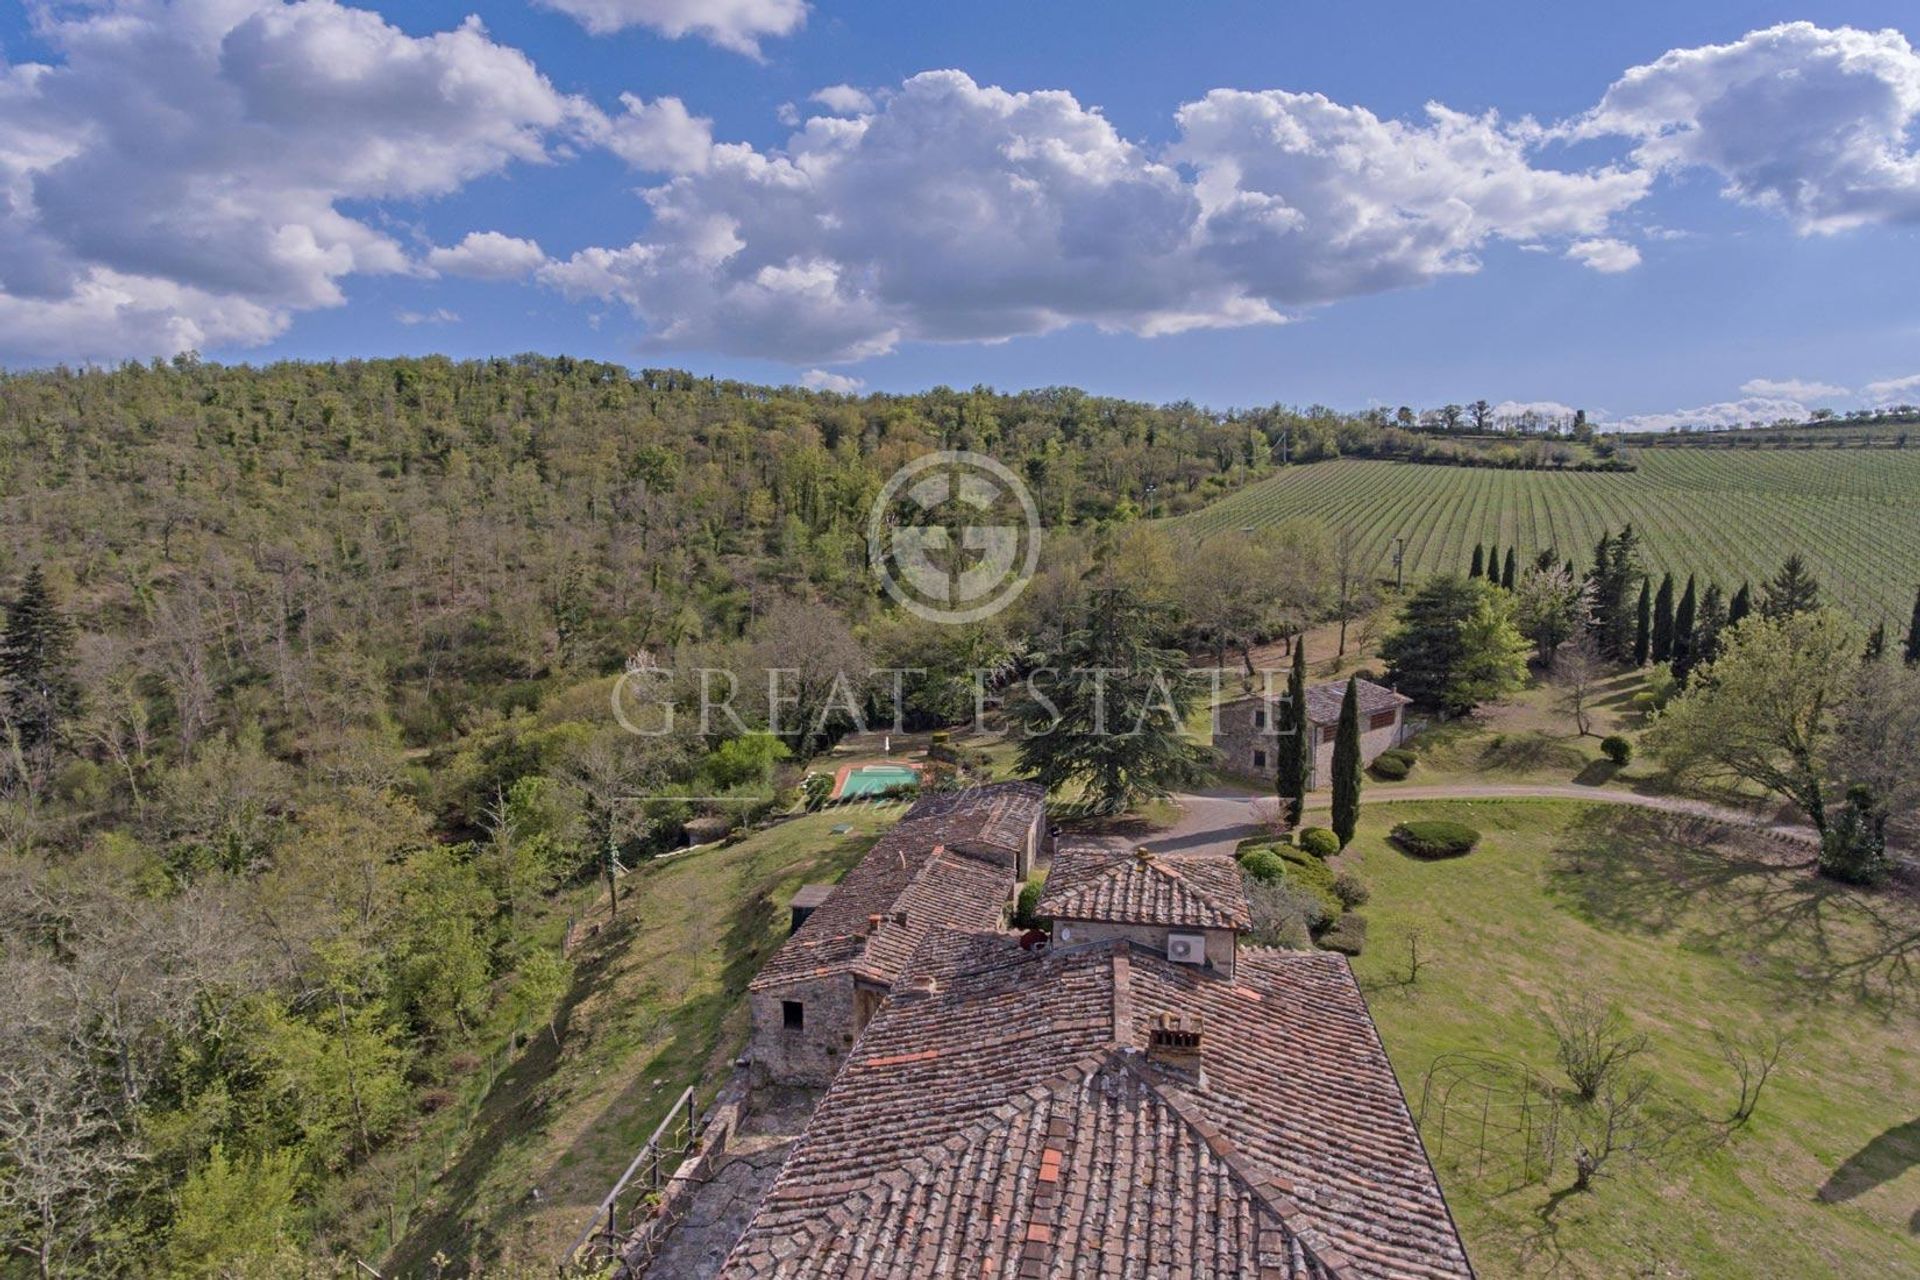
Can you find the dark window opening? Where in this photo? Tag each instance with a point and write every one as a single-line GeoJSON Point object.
{"type": "Point", "coordinates": [1259, 759]}
{"type": "Point", "coordinates": [793, 1015]}
{"type": "Point", "coordinates": [1382, 720]}
{"type": "Point", "coordinates": [1259, 719]}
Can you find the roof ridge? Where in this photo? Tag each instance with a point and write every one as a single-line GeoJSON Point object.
{"type": "Point", "coordinates": [1272, 1190]}
{"type": "Point", "coordinates": [1192, 886]}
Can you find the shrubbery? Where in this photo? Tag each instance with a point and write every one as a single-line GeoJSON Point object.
{"type": "Point", "coordinates": [1348, 935]}
{"type": "Point", "coordinates": [1299, 870]}
{"type": "Point", "coordinates": [1319, 842]}
{"type": "Point", "coordinates": [1616, 748]}
{"type": "Point", "coordinates": [1391, 768]}
{"type": "Point", "coordinates": [1351, 890]}
{"type": "Point", "coordinates": [1435, 838]}
{"type": "Point", "coordinates": [1024, 916]}
{"type": "Point", "coordinates": [1263, 864]}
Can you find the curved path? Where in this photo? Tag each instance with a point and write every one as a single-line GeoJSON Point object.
{"type": "Point", "coordinates": [1215, 821]}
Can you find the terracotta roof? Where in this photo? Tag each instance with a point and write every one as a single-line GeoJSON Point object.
{"type": "Point", "coordinates": [1091, 883]}
{"type": "Point", "coordinates": [938, 866]}
{"type": "Point", "coordinates": [998, 1118]}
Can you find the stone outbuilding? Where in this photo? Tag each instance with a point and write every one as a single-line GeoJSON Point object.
{"type": "Point", "coordinates": [1191, 910]}
{"type": "Point", "coordinates": [1247, 732]}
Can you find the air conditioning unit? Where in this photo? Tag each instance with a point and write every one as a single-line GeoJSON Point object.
{"type": "Point", "coordinates": [1187, 948]}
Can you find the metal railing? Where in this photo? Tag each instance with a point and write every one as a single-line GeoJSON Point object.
{"type": "Point", "coordinates": [672, 1141]}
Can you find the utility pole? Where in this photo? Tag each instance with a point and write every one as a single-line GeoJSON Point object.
{"type": "Point", "coordinates": [1399, 557]}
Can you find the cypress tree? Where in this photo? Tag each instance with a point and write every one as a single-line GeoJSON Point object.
{"type": "Point", "coordinates": [37, 688]}
{"type": "Point", "coordinates": [1712, 623]}
{"type": "Point", "coordinates": [1663, 621]}
{"type": "Point", "coordinates": [1493, 563]}
{"type": "Point", "coordinates": [1911, 654]}
{"type": "Point", "coordinates": [1509, 572]}
{"type": "Point", "coordinates": [1684, 618]}
{"type": "Point", "coordinates": [1293, 748]}
{"type": "Point", "coordinates": [1479, 560]}
{"type": "Point", "coordinates": [1642, 635]}
{"type": "Point", "coordinates": [1346, 766]}
{"type": "Point", "coordinates": [1743, 604]}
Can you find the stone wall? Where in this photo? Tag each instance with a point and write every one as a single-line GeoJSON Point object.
{"type": "Point", "coordinates": [1237, 739]}
{"type": "Point", "coordinates": [812, 1053]}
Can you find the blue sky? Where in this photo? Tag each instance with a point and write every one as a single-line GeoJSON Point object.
{"type": "Point", "coordinates": [1729, 232]}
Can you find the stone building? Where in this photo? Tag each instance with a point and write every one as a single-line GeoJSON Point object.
{"type": "Point", "coordinates": [1248, 728]}
{"type": "Point", "coordinates": [954, 860]}
{"type": "Point", "coordinates": [1189, 909]}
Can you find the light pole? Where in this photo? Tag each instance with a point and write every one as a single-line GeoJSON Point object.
{"type": "Point", "coordinates": [1399, 557]}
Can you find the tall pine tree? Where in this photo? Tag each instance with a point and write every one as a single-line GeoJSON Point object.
{"type": "Point", "coordinates": [1510, 571]}
{"type": "Point", "coordinates": [1346, 766]}
{"type": "Point", "coordinates": [1293, 747]}
{"type": "Point", "coordinates": [1790, 591]}
{"type": "Point", "coordinates": [1643, 625]}
{"type": "Point", "coordinates": [1479, 560]}
{"type": "Point", "coordinates": [38, 693]}
{"type": "Point", "coordinates": [1742, 604]}
{"type": "Point", "coordinates": [1663, 621]}
{"type": "Point", "coordinates": [1712, 623]}
{"type": "Point", "coordinates": [1684, 618]}
{"type": "Point", "coordinates": [1911, 654]}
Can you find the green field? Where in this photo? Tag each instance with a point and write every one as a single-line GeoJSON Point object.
{"type": "Point", "coordinates": [1727, 516]}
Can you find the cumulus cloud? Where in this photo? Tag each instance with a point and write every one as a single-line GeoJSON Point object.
{"type": "Point", "coordinates": [960, 212]}
{"type": "Point", "coordinates": [1604, 254]}
{"type": "Point", "coordinates": [1804, 389]}
{"type": "Point", "coordinates": [489, 255]}
{"type": "Point", "coordinates": [738, 25]}
{"type": "Point", "coordinates": [1893, 390]}
{"type": "Point", "coordinates": [1543, 410]}
{"type": "Point", "coordinates": [439, 315]}
{"type": "Point", "coordinates": [1815, 124]}
{"type": "Point", "coordinates": [844, 99]}
{"type": "Point", "coordinates": [662, 135]}
{"type": "Point", "coordinates": [176, 180]}
{"type": "Point", "coordinates": [824, 380]}
{"type": "Point", "coordinates": [1731, 413]}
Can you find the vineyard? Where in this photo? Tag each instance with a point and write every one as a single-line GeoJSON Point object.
{"type": "Point", "coordinates": [1727, 516]}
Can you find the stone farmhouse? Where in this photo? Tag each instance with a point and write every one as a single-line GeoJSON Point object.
{"type": "Point", "coordinates": [1102, 1101]}
{"type": "Point", "coordinates": [1248, 728]}
{"type": "Point", "coordinates": [954, 860]}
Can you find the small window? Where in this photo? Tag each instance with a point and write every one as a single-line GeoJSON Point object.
{"type": "Point", "coordinates": [1382, 720]}
{"type": "Point", "coordinates": [1259, 719]}
{"type": "Point", "coordinates": [1259, 759]}
{"type": "Point", "coordinates": [793, 1015]}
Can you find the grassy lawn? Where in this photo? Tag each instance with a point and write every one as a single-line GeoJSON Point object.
{"type": "Point", "coordinates": [656, 1005]}
{"type": "Point", "coordinates": [1690, 938]}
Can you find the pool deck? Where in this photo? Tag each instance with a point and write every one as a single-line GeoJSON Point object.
{"type": "Point", "coordinates": [840, 774]}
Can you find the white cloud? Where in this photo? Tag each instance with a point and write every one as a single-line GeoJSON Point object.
{"type": "Point", "coordinates": [1804, 389]}
{"type": "Point", "coordinates": [439, 315]}
{"type": "Point", "coordinates": [960, 212]}
{"type": "Point", "coordinates": [738, 25]}
{"type": "Point", "coordinates": [489, 255]}
{"type": "Point", "coordinates": [1605, 255]}
{"type": "Point", "coordinates": [175, 180]}
{"type": "Point", "coordinates": [1546, 410]}
{"type": "Point", "coordinates": [661, 135]}
{"type": "Point", "coordinates": [1732, 413]}
{"type": "Point", "coordinates": [1813, 123]}
{"type": "Point", "coordinates": [823, 380]}
{"type": "Point", "coordinates": [844, 99]}
{"type": "Point", "coordinates": [1892, 390]}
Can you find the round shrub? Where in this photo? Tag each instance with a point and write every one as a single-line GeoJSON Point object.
{"type": "Point", "coordinates": [1435, 839]}
{"type": "Point", "coordinates": [1351, 890]}
{"type": "Point", "coordinates": [1263, 865]}
{"type": "Point", "coordinates": [1403, 754]}
{"type": "Point", "coordinates": [1319, 842]}
{"type": "Point", "coordinates": [1616, 748]}
{"type": "Point", "coordinates": [1314, 878]}
{"type": "Point", "coordinates": [1391, 768]}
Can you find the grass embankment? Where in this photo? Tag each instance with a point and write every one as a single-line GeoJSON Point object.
{"type": "Point", "coordinates": [655, 1006]}
{"type": "Point", "coordinates": [1692, 938]}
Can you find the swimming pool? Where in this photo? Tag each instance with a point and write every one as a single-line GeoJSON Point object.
{"type": "Point", "coordinates": [872, 779]}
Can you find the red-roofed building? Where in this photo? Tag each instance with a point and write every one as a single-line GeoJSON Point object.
{"type": "Point", "coordinates": [1190, 910]}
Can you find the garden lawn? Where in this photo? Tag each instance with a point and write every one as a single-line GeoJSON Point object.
{"type": "Point", "coordinates": [656, 1006]}
{"type": "Point", "coordinates": [1691, 937]}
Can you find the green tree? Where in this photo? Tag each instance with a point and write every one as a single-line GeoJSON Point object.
{"type": "Point", "coordinates": [1876, 642]}
{"type": "Point", "coordinates": [1741, 605]}
{"type": "Point", "coordinates": [1662, 650]}
{"type": "Point", "coordinates": [1346, 766]}
{"type": "Point", "coordinates": [1109, 715]}
{"type": "Point", "coordinates": [1763, 711]}
{"type": "Point", "coordinates": [1549, 605]}
{"type": "Point", "coordinates": [1509, 573]}
{"type": "Point", "coordinates": [1456, 646]}
{"type": "Point", "coordinates": [1790, 591]}
{"type": "Point", "coordinates": [1910, 654]}
{"type": "Point", "coordinates": [1643, 626]}
{"type": "Point", "coordinates": [1615, 573]}
{"type": "Point", "coordinates": [1479, 567]}
{"type": "Point", "coordinates": [1854, 848]}
{"type": "Point", "coordinates": [235, 1219]}
{"type": "Point", "coordinates": [1684, 621]}
{"type": "Point", "coordinates": [38, 693]}
{"type": "Point", "coordinates": [1293, 747]}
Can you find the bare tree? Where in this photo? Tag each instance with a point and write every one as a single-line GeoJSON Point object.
{"type": "Point", "coordinates": [1577, 669]}
{"type": "Point", "coordinates": [1754, 1057]}
{"type": "Point", "coordinates": [1352, 581]}
{"type": "Point", "coordinates": [1592, 1040]}
{"type": "Point", "coordinates": [1618, 1125]}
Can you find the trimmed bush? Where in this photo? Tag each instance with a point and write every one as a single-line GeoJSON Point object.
{"type": "Point", "coordinates": [1023, 912]}
{"type": "Point", "coordinates": [1313, 877]}
{"type": "Point", "coordinates": [1435, 839]}
{"type": "Point", "coordinates": [1405, 755]}
{"type": "Point", "coordinates": [1263, 865]}
{"type": "Point", "coordinates": [1389, 768]}
{"type": "Point", "coordinates": [1616, 748]}
{"type": "Point", "coordinates": [1319, 842]}
{"type": "Point", "coordinates": [1348, 935]}
{"type": "Point", "coordinates": [1351, 890]}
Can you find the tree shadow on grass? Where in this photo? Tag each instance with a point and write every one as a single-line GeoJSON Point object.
{"type": "Point", "coordinates": [1889, 1155]}
{"type": "Point", "coordinates": [1736, 893]}
{"type": "Point", "coordinates": [1531, 752]}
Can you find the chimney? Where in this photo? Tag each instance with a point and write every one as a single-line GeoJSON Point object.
{"type": "Point", "coordinates": [1174, 1042]}
{"type": "Point", "coordinates": [873, 923]}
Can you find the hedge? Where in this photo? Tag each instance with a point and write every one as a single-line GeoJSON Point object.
{"type": "Point", "coordinates": [1270, 862]}
{"type": "Point", "coordinates": [1390, 768]}
{"type": "Point", "coordinates": [1263, 864]}
{"type": "Point", "coordinates": [1435, 839]}
{"type": "Point", "coordinates": [1319, 842]}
